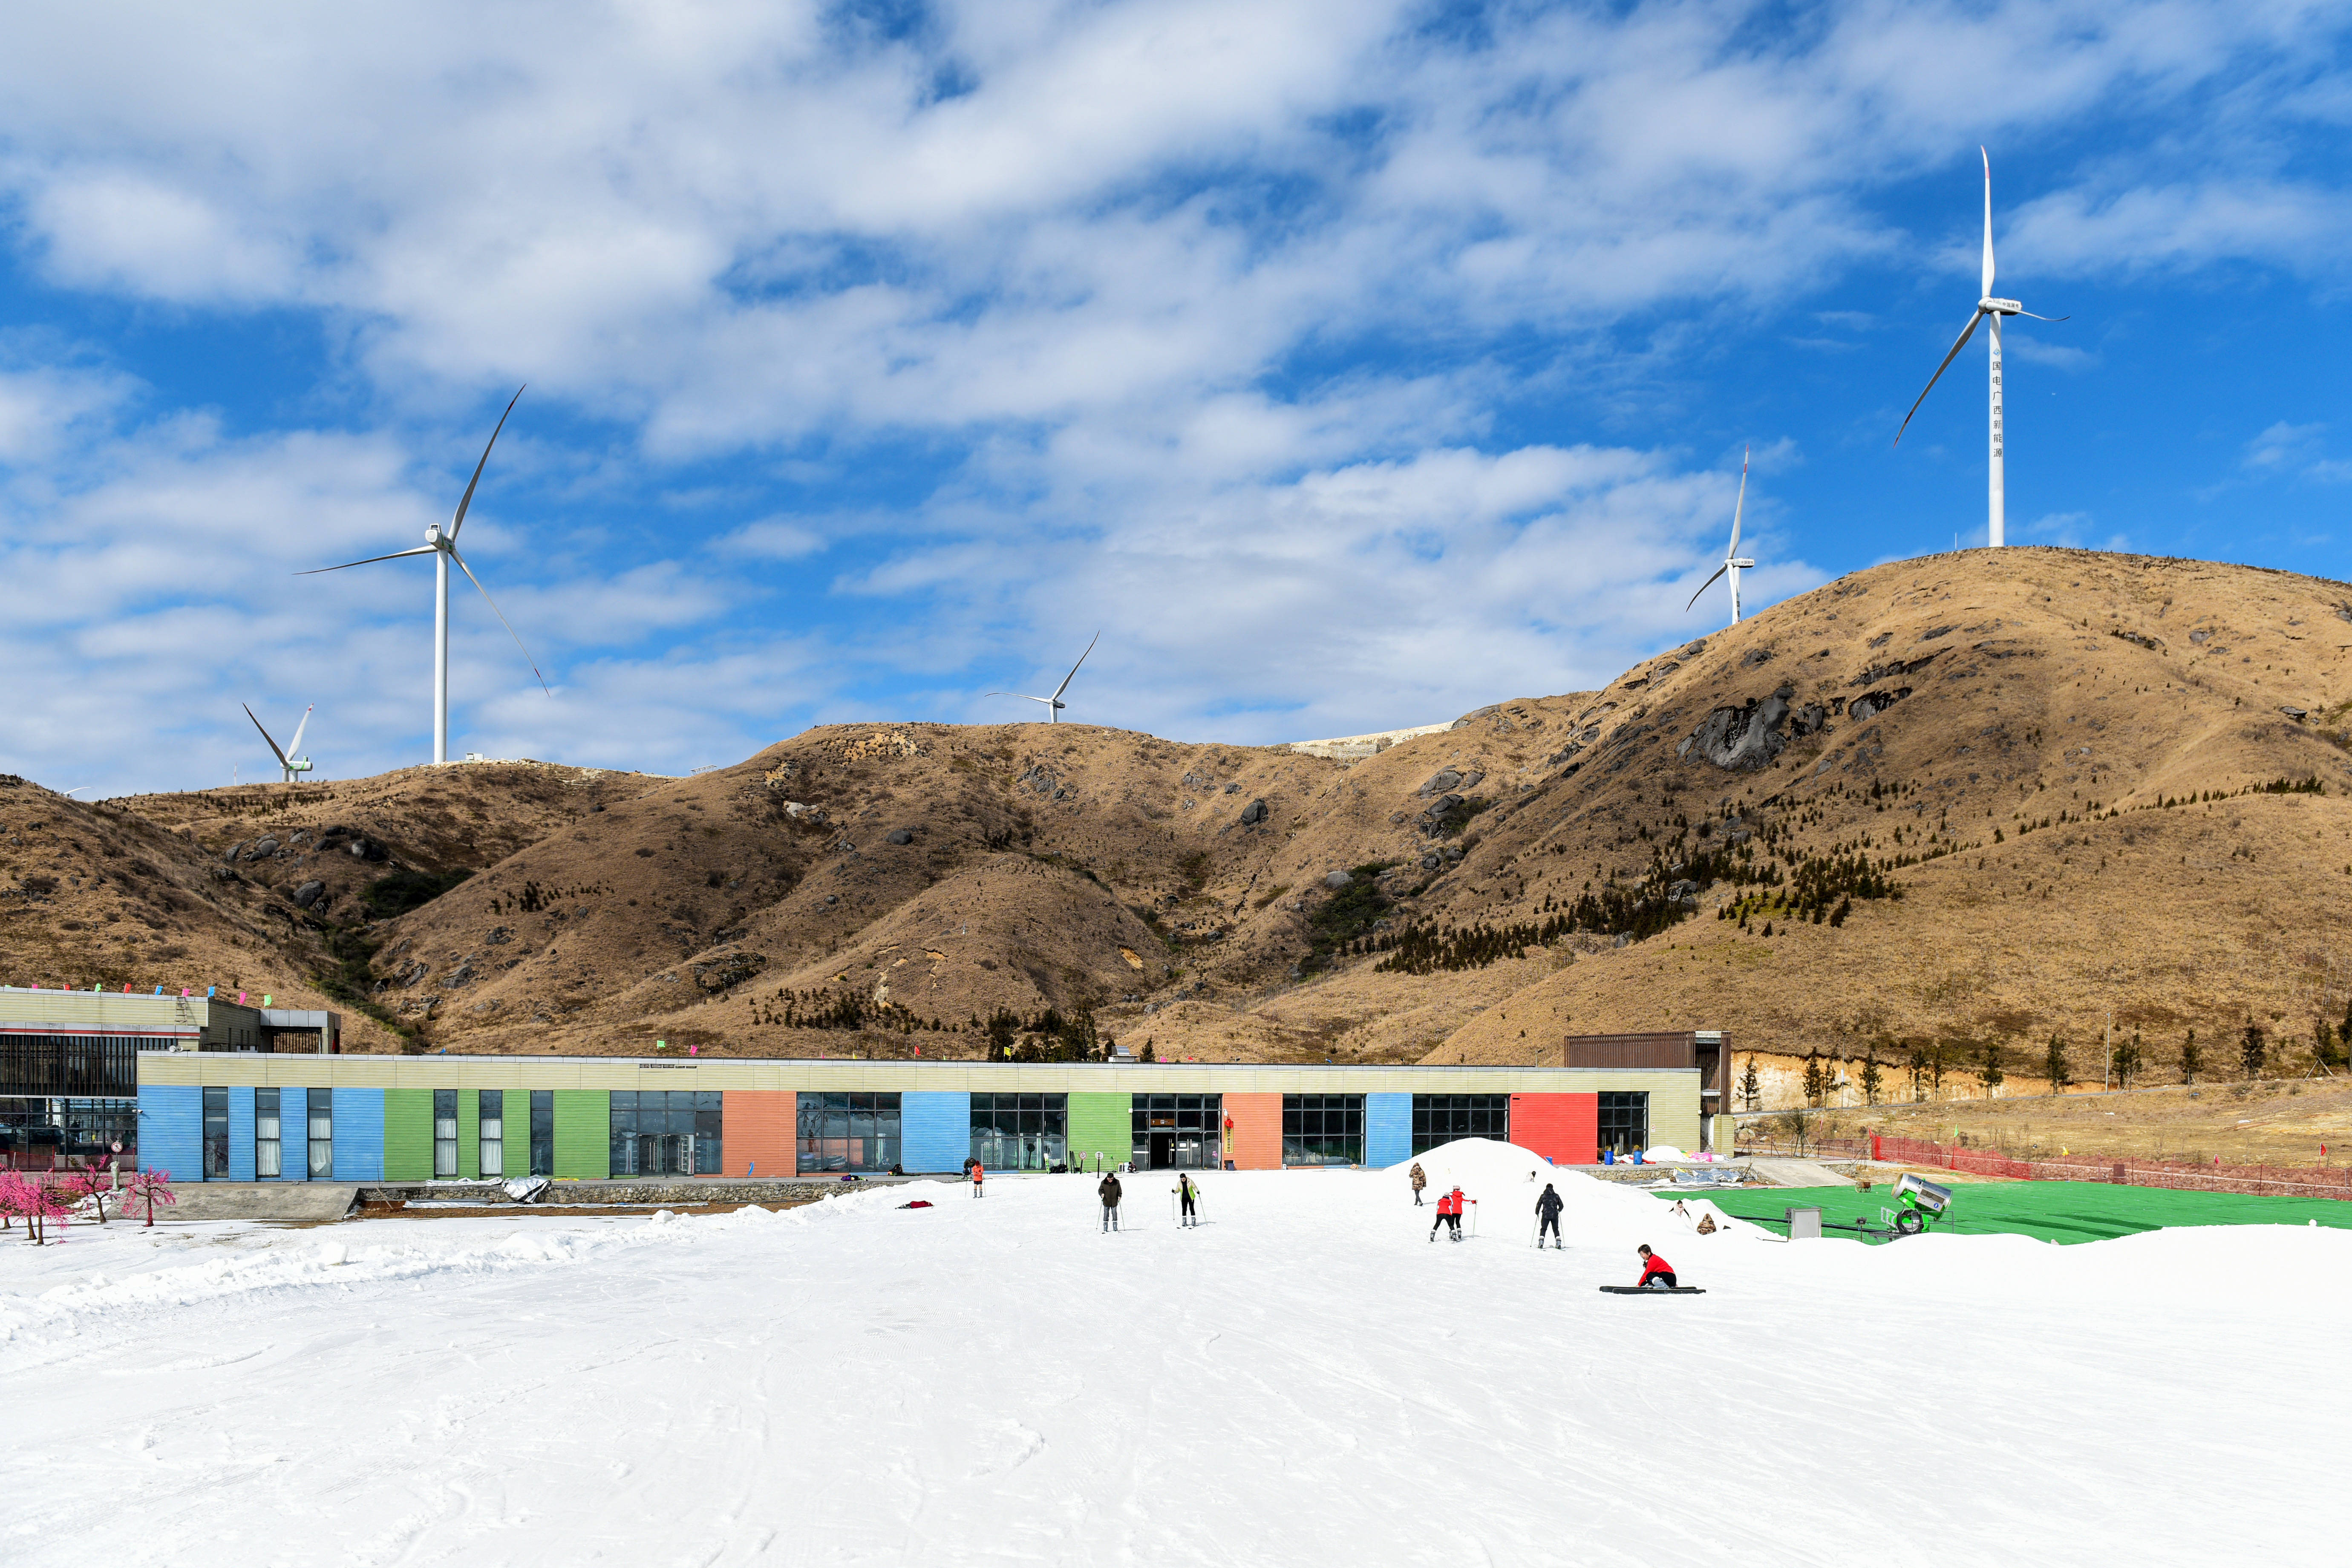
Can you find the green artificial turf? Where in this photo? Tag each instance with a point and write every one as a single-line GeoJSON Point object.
{"type": "Point", "coordinates": [2051, 1211]}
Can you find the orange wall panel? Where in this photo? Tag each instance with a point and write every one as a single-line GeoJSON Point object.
{"type": "Point", "coordinates": [1563, 1128]}
{"type": "Point", "coordinates": [761, 1132]}
{"type": "Point", "coordinates": [1255, 1144]}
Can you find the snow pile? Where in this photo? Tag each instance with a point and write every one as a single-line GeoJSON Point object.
{"type": "Point", "coordinates": [1505, 1181]}
{"type": "Point", "coordinates": [1664, 1151]}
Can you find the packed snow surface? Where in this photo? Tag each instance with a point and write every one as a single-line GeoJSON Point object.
{"type": "Point", "coordinates": [1304, 1379]}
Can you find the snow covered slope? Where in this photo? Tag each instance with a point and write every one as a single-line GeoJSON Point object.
{"type": "Point", "coordinates": [1303, 1380]}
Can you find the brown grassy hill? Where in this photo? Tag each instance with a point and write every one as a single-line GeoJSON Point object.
{"type": "Point", "coordinates": [1978, 796]}
{"type": "Point", "coordinates": [2048, 752]}
{"type": "Point", "coordinates": [202, 889]}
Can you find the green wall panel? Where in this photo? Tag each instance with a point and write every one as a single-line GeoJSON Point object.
{"type": "Point", "coordinates": [407, 1134]}
{"type": "Point", "coordinates": [469, 1133]}
{"type": "Point", "coordinates": [1104, 1123]}
{"type": "Point", "coordinates": [584, 1133]}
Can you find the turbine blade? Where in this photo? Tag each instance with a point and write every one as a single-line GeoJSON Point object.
{"type": "Point", "coordinates": [502, 615]}
{"type": "Point", "coordinates": [294, 746]}
{"type": "Point", "coordinates": [1073, 669]}
{"type": "Point", "coordinates": [265, 735]}
{"type": "Point", "coordinates": [420, 550]}
{"type": "Point", "coordinates": [2030, 314]}
{"type": "Point", "coordinates": [466, 501]}
{"type": "Point", "coordinates": [1961, 343]}
{"type": "Point", "coordinates": [1740, 505]}
{"type": "Point", "coordinates": [1986, 293]}
{"type": "Point", "coordinates": [1703, 588]}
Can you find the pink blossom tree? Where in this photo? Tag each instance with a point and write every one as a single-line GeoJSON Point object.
{"type": "Point", "coordinates": [89, 1185]}
{"type": "Point", "coordinates": [147, 1187]}
{"type": "Point", "coordinates": [34, 1202]}
{"type": "Point", "coordinates": [11, 1203]}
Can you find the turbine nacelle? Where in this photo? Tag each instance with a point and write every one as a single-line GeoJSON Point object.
{"type": "Point", "coordinates": [1742, 562]}
{"type": "Point", "coordinates": [1992, 307]}
{"type": "Point", "coordinates": [433, 534]}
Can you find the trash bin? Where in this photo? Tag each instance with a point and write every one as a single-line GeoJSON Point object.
{"type": "Point", "coordinates": [1804, 1223]}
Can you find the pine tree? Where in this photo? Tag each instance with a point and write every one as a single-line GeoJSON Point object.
{"type": "Point", "coordinates": [1751, 1089]}
{"type": "Point", "coordinates": [2190, 1058]}
{"type": "Point", "coordinates": [1150, 1055]}
{"type": "Point", "coordinates": [1989, 1071]}
{"type": "Point", "coordinates": [2128, 1056]}
{"type": "Point", "coordinates": [2053, 1066]}
{"type": "Point", "coordinates": [1816, 1079]}
{"type": "Point", "coordinates": [2253, 1048]}
{"type": "Point", "coordinates": [1870, 1077]}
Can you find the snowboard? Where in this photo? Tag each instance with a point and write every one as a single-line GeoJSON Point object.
{"type": "Point", "coordinates": [1647, 1290]}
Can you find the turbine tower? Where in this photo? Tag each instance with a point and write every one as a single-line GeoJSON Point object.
{"type": "Point", "coordinates": [1054, 704]}
{"type": "Point", "coordinates": [1734, 563]}
{"type": "Point", "coordinates": [287, 760]}
{"type": "Point", "coordinates": [443, 548]}
{"type": "Point", "coordinates": [1996, 499]}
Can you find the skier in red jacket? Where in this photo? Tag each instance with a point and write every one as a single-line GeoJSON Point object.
{"type": "Point", "coordinates": [1449, 1213]}
{"type": "Point", "coordinates": [1657, 1272]}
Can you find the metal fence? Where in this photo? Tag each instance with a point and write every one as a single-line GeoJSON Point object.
{"type": "Point", "coordinates": [2321, 1182]}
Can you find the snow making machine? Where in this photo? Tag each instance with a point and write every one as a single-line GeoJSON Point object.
{"type": "Point", "coordinates": [1917, 1201]}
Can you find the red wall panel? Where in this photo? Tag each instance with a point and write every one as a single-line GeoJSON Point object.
{"type": "Point", "coordinates": [1564, 1128]}
{"type": "Point", "coordinates": [760, 1131]}
{"type": "Point", "coordinates": [1255, 1141]}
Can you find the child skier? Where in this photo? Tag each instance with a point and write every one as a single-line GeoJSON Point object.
{"type": "Point", "coordinates": [975, 1178]}
{"type": "Point", "coordinates": [1657, 1274]}
{"type": "Point", "coordinates": [1547, 1209]}
{"type": "Point", "coordinates": [1449, 1214]}
{"type": "Point", "coordinates": [1187, 1197]}
{"type": "Point", "coordinates": [1109, 1191]}
{"type": "Point", "coordinates": [1419, 1182]}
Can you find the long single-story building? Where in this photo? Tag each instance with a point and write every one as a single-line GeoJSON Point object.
{"type": "Point", "coordinates": [218, 1116]}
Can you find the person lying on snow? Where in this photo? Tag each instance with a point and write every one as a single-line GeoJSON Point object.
{"type": "Point", "coordinates": [1547, 1209]}
{"type": "Point", "coordinates": [1657, 1274]}
{"type": "Point", "coordinates": [1109, 1191]}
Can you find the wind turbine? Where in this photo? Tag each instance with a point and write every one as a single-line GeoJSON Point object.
{"type": "Point", "coordinates": [292, 764]}
{"type": "Point", "coordinates": [1054, 704]}
{"type": "Point", "coordinates": [1996, 500]}
{"type": "Point", "coordinates": [443, 548]}
{"type": "Point", "coordinates": [1734, 563]}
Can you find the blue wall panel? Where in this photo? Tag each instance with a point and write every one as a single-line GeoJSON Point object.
{"type": "Point", "coordinates": [240, 1134]}
{"type": "Point", "coordinates": [172, 1130]}
{"type": "Point", "coordinates": [294, 1134]}
{"type": "Point", "coordinates": [359, 1134]}
{"type": "Point", "coordinates": [1387, 1129]}
{"type": "Point", "coordinates": [935, 1131]}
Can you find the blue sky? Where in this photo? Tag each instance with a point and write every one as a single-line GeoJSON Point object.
{"type": "Point", "coordinates": [1350, 365]}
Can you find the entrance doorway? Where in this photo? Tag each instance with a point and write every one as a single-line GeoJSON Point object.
{"type": "Point", "coordinates": [1178, 1132]}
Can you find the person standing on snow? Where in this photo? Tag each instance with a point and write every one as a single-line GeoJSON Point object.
{"type": "Point", "coordinates": [1109, 1191]}
{"type": "Point", "coordinates": [1657, 1274]}
{"type": "Point", "coordinates": [1419, 1182]}
{"type": "Point", "coordinates": [1187, 1197]}
{"type": "Point", "coordinates": [975, 1178]}
{"type": "Point", "coordinates": [1548, 1207]}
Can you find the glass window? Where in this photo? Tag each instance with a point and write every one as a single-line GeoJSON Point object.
{"type": "Point", "coordinates": [216, 1133]}
{"type": "Point", "coordinates": [848, 1133]}
{"type": "Point", "coordinates": [322, 1134]}
{"type": "Point", "coordinates": [542, 1133]}
{"type": "Point", "coordinates": [663, 1132]}
{"type": "Point", "coordinates": [267, 1149]}
{"type": "Point", "coordinates": [1442, 1118]}
{"type": "Point", "coordinates": [1020, 1131]}
{"type": "Point", "coordinates": [492, 1108]}
{"type": "Point", "coordinates": [444, 1134]}
{"type": "Point", "coordinates": [1625, 1122]}
{"type": "Point", "coordinates": [1178, 1132]}
{"type": "Point", "coordinates": [1322, 1128]}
